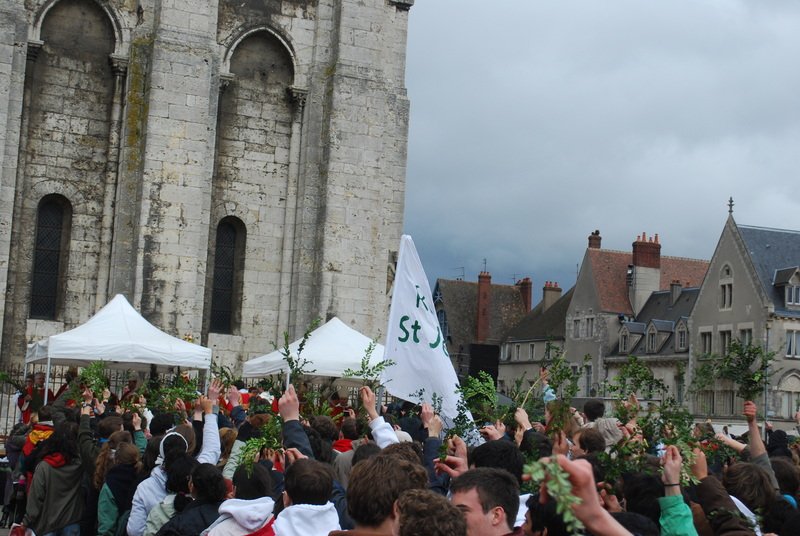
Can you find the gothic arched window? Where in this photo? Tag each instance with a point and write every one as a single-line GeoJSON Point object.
{"type": "Point", "coordinates": [226, 292]}
{"type": "Point", "coordinates": [50, 255]}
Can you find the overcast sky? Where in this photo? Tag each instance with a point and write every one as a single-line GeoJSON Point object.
{"type": "Point", "coordinates": [535, 122]}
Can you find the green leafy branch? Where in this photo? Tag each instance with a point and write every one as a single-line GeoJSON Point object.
{"type": "Point", "coordinates": [298, 365]}
{"type": "Point", "coordinates": [268, 438]}
{"type": "Point", "coordinates": [7, 379]}
{"type": "Point", "coordinates": [746, 366]}
{"type": "Point", "coordinates": [223, 373]}
{"type": "Point", "coordinates": [559, 489]}
{"type": "Point", "coordinates": [369, 374]}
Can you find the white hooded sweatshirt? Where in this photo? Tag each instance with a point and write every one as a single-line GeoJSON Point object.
{"type": "Point", "coordinates": [238, 517]}
{"type": "Point", "coordinates": [307, 520]}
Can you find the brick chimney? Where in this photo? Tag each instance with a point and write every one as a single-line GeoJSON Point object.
{"type": "Point", "coordinates": [484, 306]}
{"type": "Point", "coordinates": [595, 239]}
{"type": "Point", "coordinates": [647, 253]}
{"type": "Point", "coordinates": [525, 289]}
{"type": "Point", "coordinates": [674, 291]}
{"type": "Point", "coordinates": [550, 294]}
{"type": "Point", "coordinates": [645, 272]}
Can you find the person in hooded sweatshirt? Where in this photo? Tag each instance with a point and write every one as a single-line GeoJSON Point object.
{"type": "Point", "coordinates": [251, 509]}
{"type": "Point", "coordinates": [179, 473]}
{"type": "Point", "coordinates": [192, 517]}
{"type": "Point", "coordinates": [307, 509]}
{"type": "Point", "coordinates": [116, 493]}
{"type": "Point", "coordinates": [152, 490]}
{"type": "Point", "coordinates": [55, 501]}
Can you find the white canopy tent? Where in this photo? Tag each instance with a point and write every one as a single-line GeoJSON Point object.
{"type": "Point", "coordinates": [330, 350]}
{"type": "Point", "coordinates": [117, 333]}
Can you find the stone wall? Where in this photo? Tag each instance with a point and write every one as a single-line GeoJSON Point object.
{"type": "Point", "coordinates": [157, 119]}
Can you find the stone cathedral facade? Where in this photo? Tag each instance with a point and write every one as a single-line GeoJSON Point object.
{"type": "Point", "coordinates": [235, 168]}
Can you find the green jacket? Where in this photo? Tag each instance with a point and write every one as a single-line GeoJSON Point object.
{"type": "Point", "coordinates": [676, 517]}
{"type": "Point", "coordinates": [55, 499]}
{"type": "Point", "coordinates": [107, 513]}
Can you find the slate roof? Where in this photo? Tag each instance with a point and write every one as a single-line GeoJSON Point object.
{"type": "Point", "coordinates": [665, 316]}
{"type": "Point", "coordinates": [782, 277]}
{"type": "Point", "coordinates": [539, 326]}
{"type": "Point", "coordinates": [636, 327]}
{"type": "Point", "coordinates": [770, 250]}
{"type": "Point", "coordinates": [610, 270]}
{"type": "Point", "coordinates": [460, 299]}
{"type": "Point", "coordinates": [664, 325]}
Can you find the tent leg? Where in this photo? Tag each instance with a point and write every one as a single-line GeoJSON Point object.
{"type": "Point", "coordinates": [287, 380]}
{"type": "Point", "coordinates": [47, 381]}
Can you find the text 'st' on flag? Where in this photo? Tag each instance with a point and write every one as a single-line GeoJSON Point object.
{"type": "Point", "coordinates": [414, 341]}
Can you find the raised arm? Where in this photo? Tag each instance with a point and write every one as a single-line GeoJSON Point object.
{"type": "Point", "coordinates": [382, 431]}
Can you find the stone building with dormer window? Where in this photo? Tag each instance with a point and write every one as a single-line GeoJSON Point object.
{"type": "Point", "coordinates": [750, 294]}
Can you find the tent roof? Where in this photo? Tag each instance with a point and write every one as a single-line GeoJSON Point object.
{"type": "Point", "coordinates": [117, 333]}
{"type": "Point", "coordinates": [330, 350]}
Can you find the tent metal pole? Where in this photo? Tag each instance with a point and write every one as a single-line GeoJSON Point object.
{"type": "Point", "coordinates": [46, 381]}
{"type": "Point", "coordinates": [287, 380]}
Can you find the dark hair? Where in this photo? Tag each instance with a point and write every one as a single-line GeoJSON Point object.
{"type": "Point", "coordinates": [173, 447]}
{"type": "Point", "coordinates": [109, 425]}
{"type": "Point", "coordinates": [325, 426]}
{"type": "Point", "coordinates": [637, 523]}
{"type": "Point", "coordinates": [349, 428]}
{"type": "Point", "coordinates": [45, 413]}
{"type": "Point", "coordinates": [425, 513]}
{"type": "Point", "coordinates": [252, 484]}
{"type": "Point", "coordinates": [495, 487]}
{"type": "Point", "coordinates": [536, 444]}
{"type": "Point", "coordinates": [500, 454]}
{"type": "Point", "coordinates": [308, 482]}
{"type": "Point", "coordinates": [750, 484]}
{"type": "Point", "coordinates": [376, 483]}
{"type": "Point", "coordinates": [591, 440]}
{"type": "Point", "coordinates": [208, 483]}
{"type": "Point", "coordinates": [161, 423]}
{"type": "Point", "coordinates": [641, 492]}
{"type": "Point", "coordinates": [787, 475]}
{"type": "Point", "coordinates": [775, 516]}
{"type": "Point", "coordinates": [546, 516]}
{"type": "Point", "coordinates": [63, 440]}
{"type": "Point", "coordinates": [364, 452]}
{"type": "Point", "coordinates": [411, 452]}
{"type": "Point", "coordinates": [322, 449]}
{"type": "Point", "coordinates": [594, 409]}
{"type": "Point", "coordinates": [127, 421]}
{"type": "Point", "coordinates": [179, 472]}
{"type": "Point", "coordinates": [150, 456]}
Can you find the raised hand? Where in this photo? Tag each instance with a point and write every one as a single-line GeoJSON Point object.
{"type": "Point", "coordinates": [289, 405]}
{"type": "Point", "coordinates": [369, 400]}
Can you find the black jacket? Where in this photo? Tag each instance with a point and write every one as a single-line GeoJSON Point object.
{"type": "Point", "coordinates": [193, 520]}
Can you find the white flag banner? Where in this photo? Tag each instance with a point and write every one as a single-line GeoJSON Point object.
{"type": "Point", "coordinates": [414, 341]}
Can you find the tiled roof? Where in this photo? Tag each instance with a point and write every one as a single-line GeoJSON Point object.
{"type": "Point", "coordinates": [770, 250]}
{"type": "Point", "coordinates": [537, 325]}
{"type": "Point", "coordinates": [610, 269]}
{"type": "Point", "coordinates": [460, 299]}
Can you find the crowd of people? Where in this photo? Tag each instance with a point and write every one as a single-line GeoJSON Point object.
{"type": "Point", "coordinates": [96, 468]}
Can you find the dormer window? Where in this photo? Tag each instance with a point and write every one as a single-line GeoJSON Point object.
{"type": "Point", "coordinates": [652, 338]}
{"type": "Point", "coordinates": [792, 294]}
{"type": "Point", "coordinates": [682, 336]}
{"type": "Point", "coordinates": [623, 342]}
